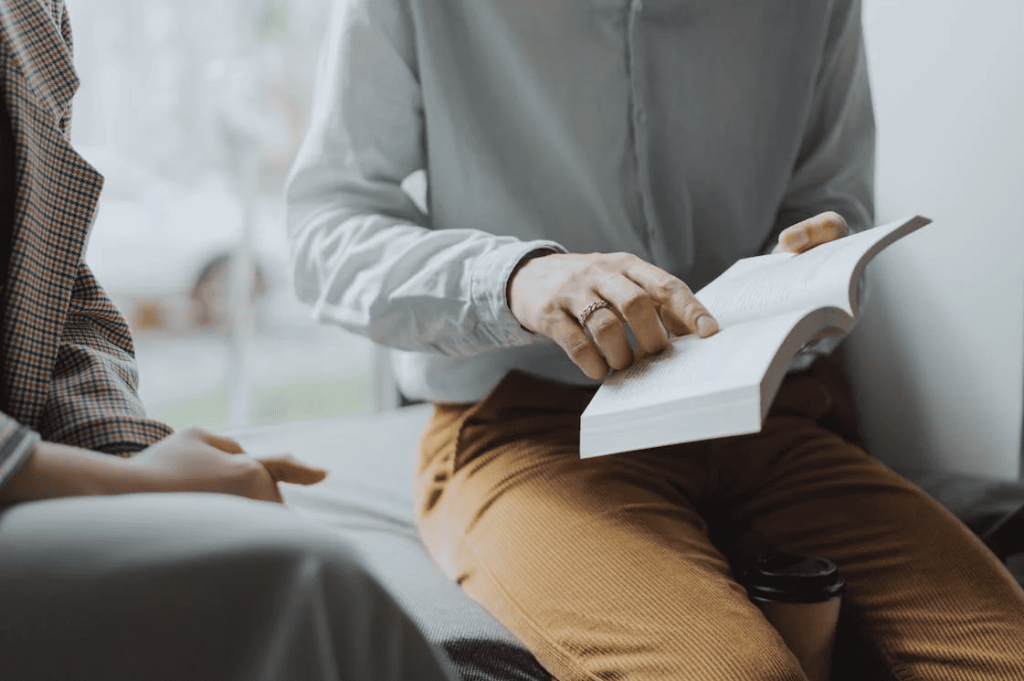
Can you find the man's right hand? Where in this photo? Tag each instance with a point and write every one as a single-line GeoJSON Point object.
{"type": "Point", "coordinates": [194, 460]}
{"type": "Point", "coordinates": [584, 302]}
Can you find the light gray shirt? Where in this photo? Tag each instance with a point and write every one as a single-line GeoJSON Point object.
{"type": "Point", "coordinates": [688, 133]}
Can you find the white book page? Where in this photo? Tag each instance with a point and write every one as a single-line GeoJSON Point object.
{"type": "Point", "coordinates": [699, 388]}
{"type": "Point", "coordinates": [707, 368]}
{"type": "Point", "coordinates": [783, 282]}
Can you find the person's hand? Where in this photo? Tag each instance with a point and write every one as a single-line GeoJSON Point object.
{"type": "Point", "coordinates": [585, 302]}
{"type": "Point", "coordinates": [194, 460]}
{"type": "Point", "coordinates": [805, 235]}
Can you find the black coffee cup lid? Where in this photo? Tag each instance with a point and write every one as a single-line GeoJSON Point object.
{"type": "Point", "coordinates": [786, 578]}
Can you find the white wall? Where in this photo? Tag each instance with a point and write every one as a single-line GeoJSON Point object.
{"type": "Point", "coordinates": [939, 356]}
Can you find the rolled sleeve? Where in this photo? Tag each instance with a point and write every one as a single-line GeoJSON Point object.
{"type": "Point", "coordinates": [93, 400]}
{"type": "Point", "coordinates": [365, 257]}
{"type": "Point", "coordinates": [489, 287]}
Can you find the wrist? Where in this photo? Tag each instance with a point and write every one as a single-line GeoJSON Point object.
{"type": "Point", "coordinates": [523, 262]}
{"type": "Point", "coordinates": [496, 325]}
{"type": "Point", "coordinates": [54, 470]}
{"type": "Point", "coordinates": [119, 474]}
{"type": "Point", "coordinates": [532, 255]}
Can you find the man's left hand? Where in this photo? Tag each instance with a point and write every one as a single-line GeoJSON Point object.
{"type": "Point", "coordinates": [803, 236]}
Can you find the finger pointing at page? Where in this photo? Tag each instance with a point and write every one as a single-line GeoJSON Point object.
{"type": "Point", "coordinates": [679, 309]}
{"type": "Point", "coordinates": [585, 303]}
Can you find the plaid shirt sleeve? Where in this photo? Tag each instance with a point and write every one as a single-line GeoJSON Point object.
{"type": "Point", "coordinates": [93, 401]}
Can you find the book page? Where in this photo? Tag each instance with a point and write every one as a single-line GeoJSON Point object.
{"type": "Point", "coordinates": [735, 357]}
{"type": "Point", "coordinates": [700, 388]}
{"type": "Point", "coordinates": [783, 282]}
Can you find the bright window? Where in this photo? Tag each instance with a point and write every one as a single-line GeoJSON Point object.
{"type": "Point", "coordinates": [193, 111]}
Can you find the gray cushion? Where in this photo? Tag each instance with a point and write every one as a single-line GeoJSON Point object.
{"type": "Point", "coordinates": [367, 498]}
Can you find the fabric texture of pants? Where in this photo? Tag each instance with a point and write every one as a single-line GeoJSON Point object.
{"type": "Point", "coordinates": [193, 586]}
{"type": "Point", "coordinates": [622, 567]}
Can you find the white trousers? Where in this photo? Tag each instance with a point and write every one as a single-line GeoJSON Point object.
{"type": "Point", "coordinates": [197, 587]}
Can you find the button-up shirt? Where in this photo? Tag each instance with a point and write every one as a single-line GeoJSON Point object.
{"type": "Point", "coordinates": [688, 132]}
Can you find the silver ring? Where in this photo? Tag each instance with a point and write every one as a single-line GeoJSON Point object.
{"type": "Point", "coordinates": [589, 310]}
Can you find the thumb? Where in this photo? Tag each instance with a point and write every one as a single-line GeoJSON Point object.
{"type": "Point", "coordinates": [822, 228]}
{"type": "Point", "coordinates": [285, 468]}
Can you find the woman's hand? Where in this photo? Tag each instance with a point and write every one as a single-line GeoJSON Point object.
{"type": "Point", "coordinates": [191, 460]}
{"type": "Point", "coordinates": [194, 460]}
{"type": "Point", "coordinates": [585, 302]}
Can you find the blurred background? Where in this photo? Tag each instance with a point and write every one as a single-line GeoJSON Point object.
{"type": "Point", "coordinates": [193, 111]}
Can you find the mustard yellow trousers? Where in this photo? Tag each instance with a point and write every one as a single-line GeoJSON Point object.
{"type": "Point", "coordinates": [623, 567]}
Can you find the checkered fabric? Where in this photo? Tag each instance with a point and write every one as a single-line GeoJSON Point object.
{"type": "Point", "coordinates": [69, 368]}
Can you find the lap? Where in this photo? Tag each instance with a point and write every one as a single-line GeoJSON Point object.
{"type": "Point", "coordinates": [550, 542]}
{"type": "Point", "coordinates": [202, 586]}
{"type": "Point", "coordinates": [598, 565]}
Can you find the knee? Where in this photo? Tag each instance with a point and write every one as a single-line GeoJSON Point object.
{"type": "Point", "coordinates": [759, 654]}
{"type": "Point", "coordinates": [265, 539]}
{"type": "Point", "coordinates": [738, 664]}
{"type": "Point", "coordinates": [772, 667]}
{"type": "Point", "coordinates": [758, 666]}
{"type": "Point", "coordinates": [218, 536]}
{"type": "Point", "coordinates": [755, 654]}
{"type": "Point", "coordinates": [709, 655]}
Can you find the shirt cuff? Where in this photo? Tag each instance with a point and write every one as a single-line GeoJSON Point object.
{"type": "Point", "coordinates": [489, 287]}
{"type": "Point", "coordinates": [16, 443]}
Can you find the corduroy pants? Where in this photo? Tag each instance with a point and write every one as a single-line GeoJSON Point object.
{"type": "Point", "coordinates": [623, 567]}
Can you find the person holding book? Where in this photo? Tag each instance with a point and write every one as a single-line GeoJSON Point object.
{"type": "Point", "coordinates": [589, 165]}
{"type": "Point", "coordinates": [100, 576]}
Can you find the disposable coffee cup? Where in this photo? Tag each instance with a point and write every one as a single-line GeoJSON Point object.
{"type": "Point", "coordinates": [800, 596]}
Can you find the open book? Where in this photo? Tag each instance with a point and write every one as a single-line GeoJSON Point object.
{"type": "Point", "coordinates": [768, 308]}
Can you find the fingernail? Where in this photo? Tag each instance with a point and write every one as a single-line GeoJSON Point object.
{"type": "Point", "coordinates": [706, 326]}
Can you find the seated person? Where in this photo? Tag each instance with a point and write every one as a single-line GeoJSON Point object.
{"type": "Point", "coordinates": [588, 164]}
{"type": "Point", "coordinates": [133, 586]}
